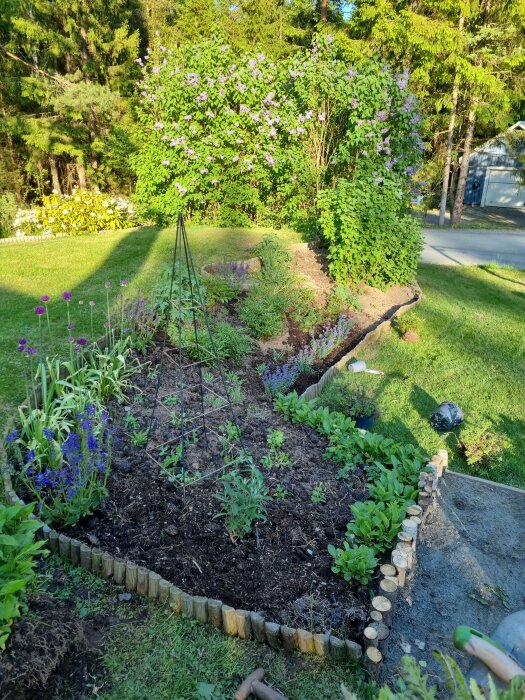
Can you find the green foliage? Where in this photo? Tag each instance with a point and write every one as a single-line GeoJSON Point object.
{"type": "Point", "coordinates": [17, 562]}
{"type": "Point", "coordinates": [81, 212]}
{"type": "Point", "coordinates": [354, 563]}
{"type": "Point", "coordinates": [341, 299]}
{"type": "Point", "coordinates": [408, 321]}
{"type": "Point", "coordinates": [8, 209]}
{"type": "Point", "coordinates": [414, 684]}
{"type": "Point", "coordinates": [262, 315]}
{"type": "Point", "coordinates": [482, 447]}
{"type": "Point", "coordinates": [318, 495]}
{"type": "Point", "coordinates": [387, 488]}
{"type": "Point", "coordinates": [139, 438]}
{"type": "Point", "coordinates": [230, 342]}
{"type": "Point", "coordinates": [376, 524]}
{"type": "Point", "coordinates": [355, 403]}
{"type": "Point", "coordinates": [276, 458]}
{"type": "Point", "coordinates": [242, 502]}
{"type": "Point", "coordinates": [219, 290]}
{"type": "Point", "coordinates": [217, 142]}
{"type": "Point", "coordinates": [370, 235]}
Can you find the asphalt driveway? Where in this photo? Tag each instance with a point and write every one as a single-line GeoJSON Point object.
{"type": "Point", "coordinates": [474, 247]}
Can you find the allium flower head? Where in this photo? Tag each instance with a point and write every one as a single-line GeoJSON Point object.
{"type": "Point", "coordinates": [81, 302]}
{"type": "Point", "coordinates": [124, 282]}
{"type": "Point", "coordinates": [92, 303]}
{"type": "Point", "coordinates": [70, 326]}
{"type": "Point", "coordinates": [31, 351]}
{"type": "Point", "coordinates": [82, 341]}
{"type": "Point", "coordinates": [107, 284]}
{"type": "Point", "coordinates": [67, 296]}
{"type": "Point", "coordinates": [45, 298]}
{"type": "Point", "coordinates": [40, 310]}
{"type": "Point", "coordinates": [22, 341]}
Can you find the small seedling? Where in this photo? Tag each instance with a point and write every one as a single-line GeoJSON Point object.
{"type": "Point", "coordinates": [131, 422]}
{"type": "Point", "coordinates": [172, 400]}
{"type": "Point", "coordinates": [261, 369]}
{"type": "Point", "coordinates": [140, 438]}
{"type": "Point", "coordinates": [154, 372]}
{"type": "Point", "coordinates": [318, 494]}
{"type": "Point", "coordinates": [207, 376]}
{"type": "Point", "coordinates": [231, 434]}
{"type": "Point", "coordinates": [214, 401]}
{"type": "Point", "coordinates": [138, 397]}
{"type": "Point", "coordinates": [281, 493]}
{"type": "Point", "coordinates": [276, 458]}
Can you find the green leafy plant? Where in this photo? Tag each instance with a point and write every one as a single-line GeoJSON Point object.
{"type": "Point", "coordinates": [8, 210]}
{"type": "Point", "coordinates": [340, 299]}
{"type": "Point", "coordinates": [262, 315]}
{"type": "Point", "coordinates": [230, 342]}
{"type": "Point", "coordinates": [18, 550]}
{"type": "Point", "coordinates": [318, 494]}
{"type": "Point", "coordinates": [139, 438]}
{"type": "Point", "coordinates": [131, 422]}
{"type": "Point", "coordinates": [276, 458]}
{"type": "Point", "coordinates": [281, 493]}
{"type": "Point", "coordinates": [389, 489]}
{"type": "Point", "coordinates": [219, 291]}
{"type": "Point", "coordinates": [355, 563]}
{"type": "Point", "coordinates": [376, 524]}
{"type": "Point", "coordinates": [242, 502]}
{"type": "Point", "coordinates": [354, 402]}
{"type": "Point", "coordinates": [409, 321]}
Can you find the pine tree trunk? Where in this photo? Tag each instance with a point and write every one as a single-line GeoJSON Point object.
{"type": "Point", "coordinates": [55, 180]}
{"type": "Point", "coordinates": [81, 174]}
{"type": "Point", "coordinates": [324, 10]}
{"type": "Point", "coordinates": [450, 139]}
{"type": "Point", "coordinates": [463, 170]}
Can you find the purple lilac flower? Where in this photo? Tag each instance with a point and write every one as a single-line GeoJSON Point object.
{"type": "Point", "coordinates": [40, 310]}
{"type": "Point", "coordinates": [67, 296]}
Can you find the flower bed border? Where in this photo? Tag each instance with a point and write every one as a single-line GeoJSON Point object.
{"type": "Point", "coordinates": [52, 237]}
{"type": "Point", "coordinates": [371, 335]}
{"type": "Point", "coordinates": [252, 625]}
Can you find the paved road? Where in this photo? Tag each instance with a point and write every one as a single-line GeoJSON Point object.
{"type": "Point", "coordinates": [474, 247]}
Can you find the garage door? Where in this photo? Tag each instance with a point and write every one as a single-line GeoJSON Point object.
{"type": "Point", "coordinates": [503, 189]}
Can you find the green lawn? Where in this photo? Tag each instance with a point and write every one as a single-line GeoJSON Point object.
{"type": "Point", "coordinates": [472, 352]}
{"type": "Point", "coordinates": [82, 265]}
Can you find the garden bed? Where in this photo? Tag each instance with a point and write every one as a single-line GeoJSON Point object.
{"type": "Point", "coordinates": [284, 571]}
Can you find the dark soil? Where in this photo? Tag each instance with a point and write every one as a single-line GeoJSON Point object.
{"type": "Point", "coordinates": [283, 570]}
{"type": "Point", "coordinates": [47, 649]}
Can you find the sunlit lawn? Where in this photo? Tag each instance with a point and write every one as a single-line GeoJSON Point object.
{"type": "Point", "coordinates": [472, 352]}
{"type": "Point", "coordinates": [82, 265]}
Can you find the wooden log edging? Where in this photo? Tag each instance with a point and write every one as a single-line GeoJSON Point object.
{"type": "Point", "coordinates": [403, 560]}
{"type": "Point", "coordinates": [252, 625]}
{"type": "Point", "coordinates": [314, 390]}
{"type": "Point", "coordinates": [243, 624]}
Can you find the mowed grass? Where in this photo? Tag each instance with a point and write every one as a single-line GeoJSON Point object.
{"type": "Point", "coordinates": [471, 352]}
{"type": "Point", "coordinates": [82, 265]}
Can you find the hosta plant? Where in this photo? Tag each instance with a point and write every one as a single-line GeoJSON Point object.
{"type": "Point", "coordinates": [18, 550]}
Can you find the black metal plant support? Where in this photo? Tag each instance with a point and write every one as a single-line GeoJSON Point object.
{"type": "Point", "coordinates": [186, 308]}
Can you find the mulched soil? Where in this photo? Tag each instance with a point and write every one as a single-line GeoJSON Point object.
{"type": "Point", "coordinates": [283, 570]}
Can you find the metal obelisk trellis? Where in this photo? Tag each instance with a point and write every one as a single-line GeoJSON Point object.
{"type": "Point", "coordinates": [186, 311]}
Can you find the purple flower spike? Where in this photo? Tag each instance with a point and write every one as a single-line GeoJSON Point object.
{"type": "Point", "coordinates": [45, 298]}
{"type": "Point", "coordinates": [22, 341]}
{"type": "Point", "coordinates": [70, 326]}
{"type": "Point", "coordinates": [107, 284]}
{"type": "Point", "coordinates": [40, 310]}
{"type": "Point", "coordinates": [67, 296]}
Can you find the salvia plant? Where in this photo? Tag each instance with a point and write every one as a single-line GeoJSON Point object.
{"type": "Point", "coordinates": [242, 501]}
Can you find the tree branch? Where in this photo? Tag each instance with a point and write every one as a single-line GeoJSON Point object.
{"type": "Point", "coordinates": [55, 78]}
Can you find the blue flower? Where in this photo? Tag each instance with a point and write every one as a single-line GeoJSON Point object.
{"type": "Point", "coordinates": [30, 456]}
{"type": "Point", "coordinates": [49, 433]}
{"type": "Point", "coordinates": [92, 443]}
{"type": "Point", "coordinates": [12, 436]}
{"type": "Point", "coordinates": [91, 410]}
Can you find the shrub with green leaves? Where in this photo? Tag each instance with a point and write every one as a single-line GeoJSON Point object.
{"type": "Point", "coordinates": [18, 550]}
{"type": "Point", "coordinates": [243, 502]}
{"type": "Point", "coordinates": [408, 321]}
{"type": "Point", "coordinates": [80, 212]}
{"type": "Point", "coordinates": [371, 236]}
{"type": "Point", "coordinates": [8, 209]}
{"type": "Point", "coordinates": [376, 524]}
{"type": "Point", "coordinates": [354, 563]}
